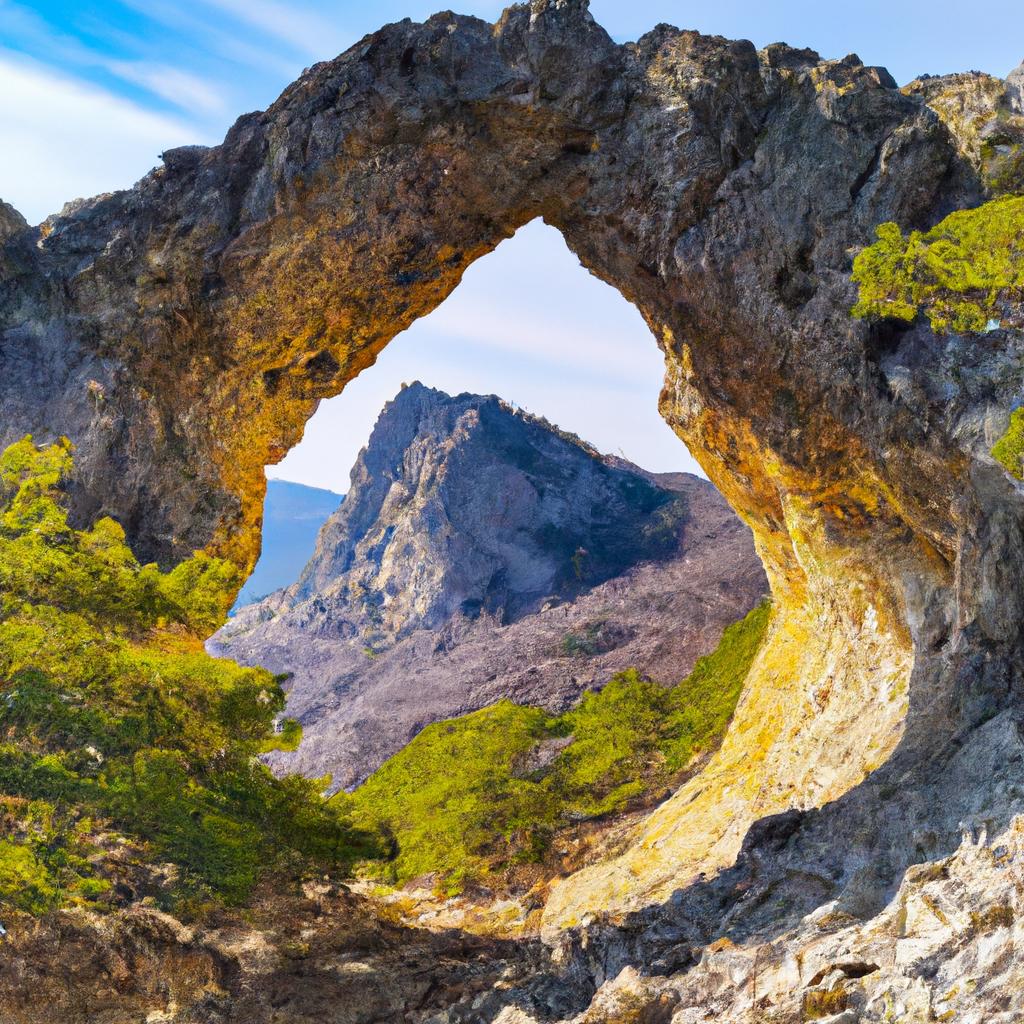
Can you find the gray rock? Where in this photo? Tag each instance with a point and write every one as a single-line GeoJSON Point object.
{"type": "Point", "coordinates": [481, 555]}
{"type": "Point", "coordinates": [1015, 81]}
{"type": "Point", "coordinates": [11, 222]}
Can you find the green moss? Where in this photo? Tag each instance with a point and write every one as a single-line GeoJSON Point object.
{"type": "Point", "coordinates": [111, 710]}
{"type": "Point", "coordinates": [964, 273]}
{"type": "Point", "coordinates": [464, 799]}
{"type": "Point", "coordinates": [818, 1003]}
{"type": "Point", "coordinates": [24, 881]}
{"type": "Point", "coordinates": [1009, 449]}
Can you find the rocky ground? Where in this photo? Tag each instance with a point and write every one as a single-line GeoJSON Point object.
{"type": "Point", "coordinates": [452, 578]}
{"type": "Point", "coordinates": [312, 957]}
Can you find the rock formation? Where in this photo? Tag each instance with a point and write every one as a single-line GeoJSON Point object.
{"type": "Point", "coordinates": [306, 958]}
{"type": "Point", "coordinates": [481, 554]}
{"type": "Point", "coordinates": [1015, 92]}
{"type": "Point", "coordinates": [182, 332]}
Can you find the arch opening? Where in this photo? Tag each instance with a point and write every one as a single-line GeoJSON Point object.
{"type": "Point", "coordinates": [721, 191]}
{"type": "Point", "coordinates": [526, 323]}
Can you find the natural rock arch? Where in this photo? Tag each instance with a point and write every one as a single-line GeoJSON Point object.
{"type": "Point", "coordinates": [182, 333]}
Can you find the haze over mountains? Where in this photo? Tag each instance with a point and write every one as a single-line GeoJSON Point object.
{"type": "Point", "coordinates": [483, 554]}
{"type": "Point", "coordinates": [292, 516]}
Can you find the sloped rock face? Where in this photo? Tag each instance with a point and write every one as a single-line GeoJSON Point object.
{"type": "Point", "coordinates": [720, 189]}
{"type": "Point", "coordinates": [1015, 81]}
{"type": "Point", "coordinates": [946, 947]}
{"type": "Point", "coordinates": [483, 555]}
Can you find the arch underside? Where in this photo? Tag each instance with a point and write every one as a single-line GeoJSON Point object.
{"type": "Point", "coordinates": [721, 191]}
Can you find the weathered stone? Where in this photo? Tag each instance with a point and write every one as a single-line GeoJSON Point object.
{"type": "Point", "coordinates": [11, 222]}
{"type": "Point", "coordinates": [722, 192]}
{"type": "Point", "coordinates": [1015, 80]}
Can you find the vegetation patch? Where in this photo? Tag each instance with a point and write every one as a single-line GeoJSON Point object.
{"type": "Point", "coordinates": [999, 915]}
{"type": "Point", "coordinates": [1009, 449]}
{"type": "Point", "coordinates": [818, 1003]}
{"type": "Point", "coordinates": [966, 274]}
{"type": "Point", "coordinates": [460, 803]}
{"type": "Point", "coordinates": [113, 719]}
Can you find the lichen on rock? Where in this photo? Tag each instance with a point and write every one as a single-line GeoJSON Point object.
{"type": "Point", "coordinates": [966, 273]}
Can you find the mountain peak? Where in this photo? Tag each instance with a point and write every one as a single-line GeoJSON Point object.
{"type": "Point", "coordinates": [483, 554]}
{"type": "Point", "coordinates": [461, 505]}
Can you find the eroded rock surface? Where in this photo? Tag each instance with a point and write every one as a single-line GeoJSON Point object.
{"type": "Point", "coordinates": [313, 957]}
{"type": "Point", "coordinates": [182, 332]}
{"type": "Point", "coordinates": [481, 555]}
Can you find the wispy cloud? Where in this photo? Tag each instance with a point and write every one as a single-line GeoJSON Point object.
{"type": "Point", "coordinates": [176, 86]}
{"type": "Point", "coordinates": [550, 338]}
{"type": "Point", "coordinates": [184, 90]}
{"type": "Point", "coordinates": [211, 39]}
{"type": "Point", "coordinates": [63, 137]}
{"type": "Point", "coordinates": [306, 31]}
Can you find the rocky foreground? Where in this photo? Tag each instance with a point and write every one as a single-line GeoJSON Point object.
{"type": "Point", "coordinates": [482, 555]}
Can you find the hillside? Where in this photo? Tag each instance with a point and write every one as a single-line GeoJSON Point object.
{"type": "Point", "coordinates": [482, 555]}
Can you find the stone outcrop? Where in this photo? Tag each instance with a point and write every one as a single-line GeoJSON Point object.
{"type": "Point", "coordinates": [1015, 84]}
{"type": "Point", "coordinates": [947, 947]}
{"type": "Point", "coordinates": [318, 956]}
{"type": "Point", "coordinates": [182, 332]}
{"type": "Point", "coordinates": [482, 554]}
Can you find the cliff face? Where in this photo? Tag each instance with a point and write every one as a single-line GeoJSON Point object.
{"type": "Point", "coordinates": [723, 191]}
{"type": "Point", "coordinates": [481, 554]}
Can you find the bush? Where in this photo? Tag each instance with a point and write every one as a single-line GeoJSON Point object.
{"type": "Point", "coordinates": [112, 710]}
{"type": "Point", "coordinates": [452, 795]}
{"type": "Point", "coordinates": [965, 273]}
{"type": "Point", "coordinates": [462, 801]}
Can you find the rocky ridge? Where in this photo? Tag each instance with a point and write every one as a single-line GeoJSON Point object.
{"type": "Point", "coordinates": [481, 555]}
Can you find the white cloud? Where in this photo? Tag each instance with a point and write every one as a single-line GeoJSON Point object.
{"type": "Point", "coordinates": [178, 87]}
{"type": "Point", "coordinates": [557, 339]}
{"type": "Point", "coordinates": [213, 40]}
{"type": "Point", "coordinates": [63, 139]}
{"type": "Point", "coordinates": [307, 32]}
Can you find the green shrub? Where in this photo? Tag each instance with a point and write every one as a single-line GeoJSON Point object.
{"type": "Point", "coordinates": [111, 709]}
{"type": "Point", "coordinates": [452, 795]}
{"type": "Point", "coordinates": [462, 800]}
{"type": "Point", "coordinates": [585, 644]}
{"type": "Point", "coordinates": [24, 882]}
{"type": "Point", "coordinates": [1009, 449]}
{"type": "Point", "coordinates": [964, 273]}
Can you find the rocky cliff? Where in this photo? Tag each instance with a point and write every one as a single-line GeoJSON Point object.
{"type": "Point", "coordinates": [182, 332]}
{"type": "Point", "coordinates": [482, 554]}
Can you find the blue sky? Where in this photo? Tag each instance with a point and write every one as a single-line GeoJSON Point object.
{"type": "Point", "coordinates": [94, 91]}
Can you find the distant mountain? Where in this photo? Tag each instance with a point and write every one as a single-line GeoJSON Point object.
{"type": "Point", "coordinates": [481, 554]}
{"type": "Point", "coordinates": [292, 517]}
